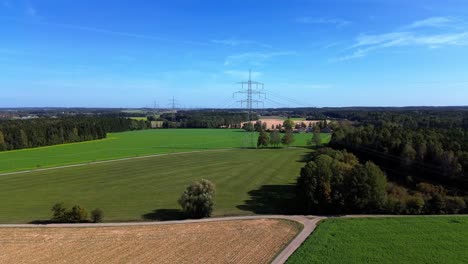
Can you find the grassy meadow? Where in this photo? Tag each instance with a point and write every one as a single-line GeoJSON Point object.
{"type": "Point", "coordinates": [129, 144]}
{"type": "Point", "coordinates": [131, 190]}
{"type": "Point", "coordinates": [430, 239]}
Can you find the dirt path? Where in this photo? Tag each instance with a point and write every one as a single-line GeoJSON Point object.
{"type": "Point", "coordinates": [111, 160]}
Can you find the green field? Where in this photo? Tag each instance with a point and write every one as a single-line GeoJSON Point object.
{"type": "Point", "coordinates": [428, 239]}
{"type": "Point", "coordinates": [129, 144]}
{"type": "Point", "coordinates": [126, 190]}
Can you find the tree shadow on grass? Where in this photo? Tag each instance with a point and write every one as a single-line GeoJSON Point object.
{"type": "Point", "coordinates": [165, 215]}
{"type": "Point", "coordinates": [271, 199]}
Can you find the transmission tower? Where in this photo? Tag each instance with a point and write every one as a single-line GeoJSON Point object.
{"type": "Point", "coordinates": [173, 105]}
{"type": "Point", "coordinates": [251, 89]}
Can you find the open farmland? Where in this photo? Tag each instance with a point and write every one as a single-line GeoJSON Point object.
{"type": "Point", "coordinates": [239, 241]}
{"type": "Point", "coordinates": [129, 144]}
{"type": "Point", "coordinates": [431, 239]}
{"type": "Point", "coordinates": [148, 188]}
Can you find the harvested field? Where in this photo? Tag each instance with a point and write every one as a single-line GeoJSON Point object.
{"type": "Point", "coordinates": [272, 121]}
{"type": "Point", "coordinates": [237, 241]}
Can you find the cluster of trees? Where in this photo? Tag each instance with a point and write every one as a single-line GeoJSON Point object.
{"type": "Point", "coordinates": [30, 133]}
{"type": "Point", "coordinates": [77, 214]}
{"type": "Point", "coordinates": [335, 182]}
{"type": "Point", "coordinates": [197, 200]}
{"type": "Point", "coordinates": [204, 119]}
{"type": "Point", "coordinates": [426, 146]}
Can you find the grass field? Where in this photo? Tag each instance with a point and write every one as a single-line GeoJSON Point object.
{"type": "Point", "coordinates": [387, 240]}
{"type": "Point", "coordinates": [129, 144]}
{"type": "Point", "coordinates": [244, 241]}
{"type": "Point", "coordinates": [127, 190]}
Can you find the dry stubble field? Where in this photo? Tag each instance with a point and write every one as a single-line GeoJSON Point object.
{"type": "Point", "coordinates": [237, 241]}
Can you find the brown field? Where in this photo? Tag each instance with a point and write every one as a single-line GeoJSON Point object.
{"type": "Point", "coordinates": [275, 122]}
{"type": "Point", "coordinates": [236, 241]}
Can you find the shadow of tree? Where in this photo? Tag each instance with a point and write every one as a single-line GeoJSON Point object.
{"type": "Point", "coordinates": [165, 215]}
{"type": "Point", "coordinates": [271, 199]}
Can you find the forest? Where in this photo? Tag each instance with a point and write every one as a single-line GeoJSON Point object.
{"type": "Point", "coordinates": [30, 133]}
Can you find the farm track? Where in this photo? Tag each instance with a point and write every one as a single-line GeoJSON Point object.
{"type": "Point", "coordinates": [112, 160]}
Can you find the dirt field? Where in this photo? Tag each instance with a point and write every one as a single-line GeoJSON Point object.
{"type": "Point", "coordinates": [238, 241]}
{"type": "Point", "coordinates": [275, 122]}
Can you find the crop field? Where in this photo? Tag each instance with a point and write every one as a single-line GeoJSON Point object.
{"type": "Point", "coordinates": [430, 239]}
{"type": "Point", "coordinates": [130, 144]}
{"type": "Point", "coordinates": [148, 188]}
{"type": "Point", "coordinates": [242, 241]}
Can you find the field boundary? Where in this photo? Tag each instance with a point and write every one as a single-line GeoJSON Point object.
{"type": "Point", "coordinates": [110, 160]}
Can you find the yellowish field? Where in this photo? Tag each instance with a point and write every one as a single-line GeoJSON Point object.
{"type": "Point", "coordinates": [237, 241]}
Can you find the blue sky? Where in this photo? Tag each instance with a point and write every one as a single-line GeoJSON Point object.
{"type": "Point", "coordinates": [308, 53]}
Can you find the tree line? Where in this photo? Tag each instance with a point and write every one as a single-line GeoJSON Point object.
{"type": "Point", "coordinates": [30, 133]}
{"type": "Point", "coordinates": [204, 119]}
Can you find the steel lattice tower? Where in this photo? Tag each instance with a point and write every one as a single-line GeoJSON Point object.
{"type": "Point", "coordinates": [250, 89]}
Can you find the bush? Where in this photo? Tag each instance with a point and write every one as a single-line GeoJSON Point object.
{"type": "Point", "coordinates": [197, 199]}
{"type": "Point", "coordinates": [58, 211]}
{"type": "Point", "coordinates": [75, 215]}
{"type": "Point", "coordinates": [97, 215]}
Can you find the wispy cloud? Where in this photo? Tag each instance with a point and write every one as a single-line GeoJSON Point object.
{"type": "Point", "coordinates": [242, 74]}
{"type": "Point", "coordinates": [239, 42]}
{"type": "Point", "coordinates": [254, 58]}
{"type": "Point", "coordinates": [434, 22]}
{"type": "Point", "coordinates": [321, 20]}
{"type": "Point", "coordinates": [366, 43]}
{"type": "Point", "coordinates": [126, 34]}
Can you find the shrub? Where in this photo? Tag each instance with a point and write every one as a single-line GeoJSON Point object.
{"type": "Point", "coordinates": [58, 211]}
{"type": "Point", "coordinates": [76, 215]}
{"type": "Point", "coordinates": [62, 215]}
{"type": "Point", "coordinates": [197, 199]}
{"type": "Point", "coordinates": [97, 215]}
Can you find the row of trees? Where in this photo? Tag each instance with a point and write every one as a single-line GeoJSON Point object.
{"type": "Point", "coordinates": [204, 119]}
{"type": "Point", "coordinates": [19, 134]}
{"type": "Point", "coordinates": [274, 138]}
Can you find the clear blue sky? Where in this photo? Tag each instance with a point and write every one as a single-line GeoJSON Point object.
{"type": "Point", "coordinates": [316, 53]}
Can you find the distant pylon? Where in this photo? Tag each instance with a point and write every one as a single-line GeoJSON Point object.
{"type": "Point", "coordinates": [252, 89]}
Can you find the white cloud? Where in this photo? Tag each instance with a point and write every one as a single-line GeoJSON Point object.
{"type": "Point", "coordinates": [238, 42]}
{"type": "Point", "coordinates": [366, 43]}
{"type": "Point", "coordinates": [331, 21]}
{"type": "Point", "coordinates": [254, 58]}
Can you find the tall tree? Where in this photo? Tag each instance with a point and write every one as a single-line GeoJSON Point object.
{"type": "Point", "coordinates": [263, 139]}
{"type": "Point", "coordinates": [288, 138]}
{"type": "Point", "coordinates": [275, 138]}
